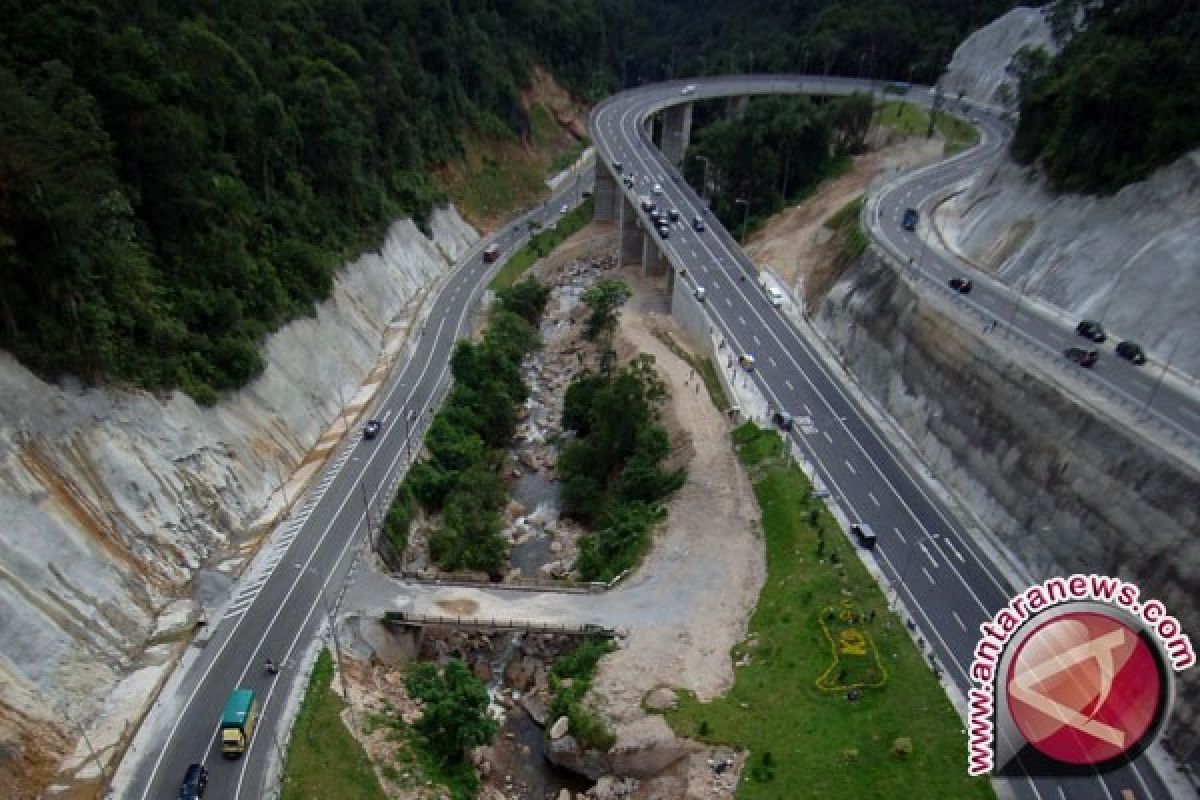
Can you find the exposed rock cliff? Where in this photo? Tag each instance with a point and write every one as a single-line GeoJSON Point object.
{"type": "Point", "coordinates": [1063, 489]}
{"type": "Point", "coordinates": [979, 68]}
{"type": "Point", "coordinates": [110, 500]}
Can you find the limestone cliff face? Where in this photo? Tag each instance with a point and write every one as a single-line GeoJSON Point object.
{"type": "Point", "coordinates": [1063, 489]}
{"type": "Point", "coordinates": [979, 68]}
{"type": "Point", "coordinates": [110, 500]}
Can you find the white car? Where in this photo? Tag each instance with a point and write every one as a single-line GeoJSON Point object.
{"type": "Point", "coordinates": [657, 188]}
{"type": "Point", "coordinates": [691, 87]}
{"type": "Point", "coordinates": [700, 293]}
{"type": "Point", "coordinates": [775, 296]}
{"type": "Point", "coordinates": [565, 209]}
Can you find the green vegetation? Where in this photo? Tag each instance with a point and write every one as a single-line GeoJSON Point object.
{"type": "Point", "coordinates": [323, 758]}
{"type": "Point", "coordinates": [703, 365]}
{"type": "Point", "coordinates": [776, 154]}
{"type": "Point", "coordinates": [467, 437]}
{"type": "Point", "coordinates": [455, 716]}
{"type": "Point", "coordinates": [541, 244]}
{"type": "Point", "coordinates": [612, 474]}
{"type": "Point", "coordinates": [603, 300]}
{"type": "Point", "coordinates": [570, 679]}
{"type": "Point", "coordinates": [846, 226]}
{"type": "Point", "coordinates": [1119, 100]}
{"type": "Point", "coordinates": [789, 706]}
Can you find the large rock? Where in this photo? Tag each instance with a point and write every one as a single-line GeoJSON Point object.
{"type": "Point", "coordinates": [642, 760]}
{"type": "Point", "coordinates": [661, 699]}
{"type": "Point", "coordinates": [559, 729]}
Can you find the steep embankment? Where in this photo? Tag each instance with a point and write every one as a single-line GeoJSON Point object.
{"type": "Point", "coordinates": [1063, 489]}
{"type": "Point", "coordinates": [1128, 259]}
{"type": "Point", "coordinates": [110, 500]}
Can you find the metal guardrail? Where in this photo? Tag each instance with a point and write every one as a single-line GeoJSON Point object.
{"type": "Point", "coordinates": [410, 619]}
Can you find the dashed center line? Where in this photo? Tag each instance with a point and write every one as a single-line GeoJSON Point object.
{"type": "Point", "coordinates": [873, 498]}
{"type": "Point", "coordinates": [958, 619]}
{"type": "Point", "coordinates": [828, 438]}
{"type": "Point", "coordinates": [742, 320]}
{"type": "Point", "coordinates": [901, 535]}
{"type": "Point", "coordinates": [850, 467]}
{"type": "Point", "coordinates": [756, 340]}
{"type": "Point", "coordinates": [928, 576]}
{"type": "Point", "coordinates": [790, 387]}
{"type": "Point", "coordinates": [926, 552]}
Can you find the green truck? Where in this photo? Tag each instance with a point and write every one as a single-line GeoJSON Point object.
{"type": "Point", "coordinates": [237, 722]}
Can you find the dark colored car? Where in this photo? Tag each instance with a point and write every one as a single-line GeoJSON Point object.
{"type": "Point", "coordinates": [195, 781]}
{"type": "Point", "coordinates": [697, 224]}
{"type": "Point", "coordinates": [664, 231]}
{"type": "Point", "coordinates": [1082, 357]}
{"type": "Point", "coordinates": [909, 222]}
{"type": "Point", "coordinates": [371, 429]}
{"type": "Point", "coordinates": [1131, 351]}
{"type": "Point", "coordinates": [961, 285]}
{"type": "Point", "coordinates": [865, 535]}
{"type": "Point", "coordinates": [1091, 329]}
{"type": "Point", "coordinates": [647, 204]}
{"type": "Point", "coordinates": [784, 420]}
{"type": "Point", "coordinates": [673, 215]}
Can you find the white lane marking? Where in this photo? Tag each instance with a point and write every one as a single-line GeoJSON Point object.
{"type": "Point", "coordinates": [901, 535]}
{"type": "Point", "coordinates": [807, 409]}
{"type": "Point", "coordinates": [827, 437]}
{"type": "Point", "coordinates": [850, 467]}
{"type": "Point", "coordinates": [928, 576]}
{"type": "Point", "coordinates": [954, 550]}
{"type": "Point", "coordinates": [695, 254]}
{"type": "Point", "coordinates": [773, 364]}
{"type": "Point", "coordinates": [728, 302]}
{"type": "Point", "coordinates": [757, 342]}
{"type": "Point", "coordinates": [958, 619]}
{"type": "Point", "coordinates": [926, 552]}
{"type": "Point", "coordinates": [742, 320]}
{"type": "Point", "coordinates": [873, 498]}
{"type": "Point", "coordinates": [788, 384]}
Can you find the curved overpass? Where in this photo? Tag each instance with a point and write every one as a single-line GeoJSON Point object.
{"type": "Point", "coordinates": [949, 583]}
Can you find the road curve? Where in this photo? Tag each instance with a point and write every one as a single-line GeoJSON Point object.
{"type": "Point", "coordinates": [945, 579]}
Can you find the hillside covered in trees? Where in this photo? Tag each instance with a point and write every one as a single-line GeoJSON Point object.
{"type": "Point", "coordinates": [1121, 98]}
{"type": "Point", "coordinates": [179, 179]}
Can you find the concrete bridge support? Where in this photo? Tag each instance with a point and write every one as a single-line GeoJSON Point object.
{"type": "Point", "coordinates": [606, 195]}
{"type": "Point", "coordinates": [629, 232]}
{"type": "Point", "coordinates": [676, 132]}
{"type": "Point", "coordinates": [736, 106]}
{"type": "Point", "coordinates": [653, 261]}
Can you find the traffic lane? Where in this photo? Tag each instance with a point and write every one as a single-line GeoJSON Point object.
{"type": "Point", "coordinates": [1091, 786]}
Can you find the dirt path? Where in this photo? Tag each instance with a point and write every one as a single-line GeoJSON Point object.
{"type": "Point", "coordinates": [795, 241]}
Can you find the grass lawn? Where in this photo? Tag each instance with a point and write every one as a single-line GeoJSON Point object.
{"type": "Point", "coordinates": [323, 759]}
{"type": "Point", "coordinates": [912, 120]}
{"type": "Point", "coordinates": [789, 704]}
{"type": "Point", "coordinates": [542, 244]}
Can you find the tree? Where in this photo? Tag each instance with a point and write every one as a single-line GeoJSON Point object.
{"type": "Point", "coordinates": [604, 299]}
{"type": "Point", "coordinates": [455, 716]}
{"type": "Point", "coordinates": [526, 299]}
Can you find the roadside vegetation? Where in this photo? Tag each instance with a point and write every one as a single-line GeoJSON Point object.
{"type": "Point", "coordinates": [775, 155]}
{"type": "Point", "coordinates": [460, 479]}
{"type": "Point", "coordinates": [323, 758]}
{"type": "Point", "coordinates": [704, 367]}
{"type": "Point", "coordinates": [852, 240]}
{"type": "Point", "coordinates": [909, 119]}
{"type": "Point", "coordinates": [611, 471]}
{"type": "Point", "coordinates": [1119, 100]}
{"type": "Point", "coordinates": [541, 244]}
{"type": "Point", "coordinates": [830, 694]}
{"type": "Point", "coordinates": [570, 680]}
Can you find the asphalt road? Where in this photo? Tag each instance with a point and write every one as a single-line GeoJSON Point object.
{"type": "Point", "coordinates": [282, 601]}
{"type": "Point", "coordinates": [946, 581]}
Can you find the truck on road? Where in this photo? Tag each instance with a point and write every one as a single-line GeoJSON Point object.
{"type": "Point", "coordinates": [237, 722]}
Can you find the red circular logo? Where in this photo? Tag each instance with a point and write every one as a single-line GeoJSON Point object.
{"type": "Point", "coordinates": [1084, 688]}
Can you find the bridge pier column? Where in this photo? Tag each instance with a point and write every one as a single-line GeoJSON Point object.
{"type": "Point", "coordinates": [676, 132]}
{"type": "Point", "coordinates": [736, 106]}
{"type": "Point", "coordinates": [606, 195]}
{"type": "Point", "coordinates": [629, 232]}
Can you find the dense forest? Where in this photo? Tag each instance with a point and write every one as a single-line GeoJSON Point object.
{"type": "Point", "coordinates": [179, 179]}
{"type": "Point", "coordinates": [1119, 100]}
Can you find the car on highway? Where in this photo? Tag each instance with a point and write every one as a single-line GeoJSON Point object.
{"type": "Point", "coordinates": [564, 209]}
{"type": "Point", "coordinates": [372, 428]}
{"type": "Point", "coordinates": [747, 362]}
{"type": "Point", "coordinates": [628, 181]}
{"type": "Point", "coordinates": [1081, 356]}
{"type": "Point", "coordinates": [909, 222]}
{"type": "Point", "coordinates": [1091, 329]}
{"type": "Point", "coordinates": [195, 781]}
{"type": "Point", "coordinates": [961, 285]}
{"type": "Point", "coordinates": [664, 232]}
{"type": "Point", "coordinates": [1131, 351]}
{"type": "Point", "coordinates": [689, 89]}
{"type": "Point", "coordinates": [865, 535]}
{"type": "Point", "coordinates": [700, 293]}
{"type": "Point", "coordinates": [775, 296]}
{"type": "Point", "coordinates": [697, 224]}
{"type": "Point", "coordinates": [673, 215]}
{"type": "Point", "coordinates": [617, 166]}
{"type": "Point", "coordinates": [647, 205]}
{"type": "Point", "coordinates": [657, 188]}
{"type": "Point", "coordinates": [784, 420]}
